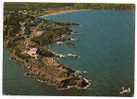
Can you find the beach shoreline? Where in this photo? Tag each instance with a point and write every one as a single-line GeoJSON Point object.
{"type": "Point", "coordinates": [65, 12]}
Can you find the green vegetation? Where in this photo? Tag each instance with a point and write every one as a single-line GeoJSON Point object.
{"type": "Point", "coordinates": [27, 37]}
{"type": "Point", "coordinates": [32, 6]}
{"type": "Point", "coordinates": [39, 6]}
{"type": "Point", "coordinates": [105, 6]}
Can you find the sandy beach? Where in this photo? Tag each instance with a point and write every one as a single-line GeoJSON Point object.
{"type": "Point", "coordinates": [65, 11]}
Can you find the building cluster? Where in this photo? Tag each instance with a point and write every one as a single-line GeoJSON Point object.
{"type": "Point", "coordinates": [32, 52]}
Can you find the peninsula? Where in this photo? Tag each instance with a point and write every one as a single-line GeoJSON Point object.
{"type": "Point", "coordinates": [28, 38]}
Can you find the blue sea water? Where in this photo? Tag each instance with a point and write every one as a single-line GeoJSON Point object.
{"type": "Point", "coordinates": [105, 44]}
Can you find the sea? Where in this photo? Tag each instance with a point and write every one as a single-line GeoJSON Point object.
{"type": "Point", "coordinates": [104, 40]}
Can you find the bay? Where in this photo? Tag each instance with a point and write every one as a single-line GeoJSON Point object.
{"type": "Point", "coordinates": [105, 44]}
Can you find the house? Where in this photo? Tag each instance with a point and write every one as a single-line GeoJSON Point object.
{"type": "Point", "coordinates": [32, 52]}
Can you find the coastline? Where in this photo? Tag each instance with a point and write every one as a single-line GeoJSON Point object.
{"type": "Point", "coordinates": [14, 69]}
{"type": "Point", "coordinates": [65, 12]}
{"type": "Point", "coordinates": [28, 52]}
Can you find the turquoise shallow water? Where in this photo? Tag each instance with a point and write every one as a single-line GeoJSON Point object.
{"type": "Point", "coordinates": [106, 48]}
